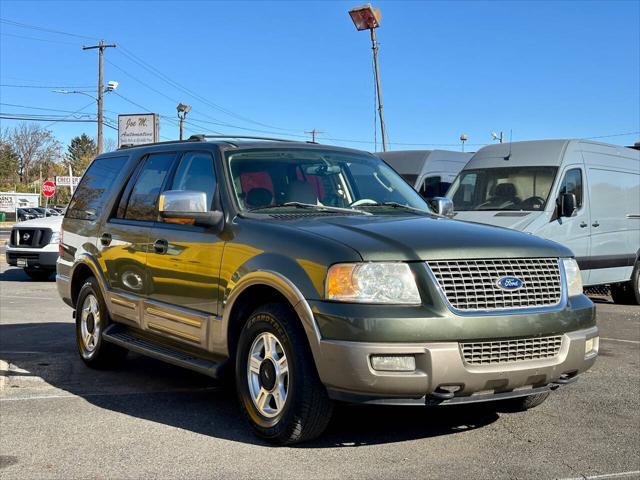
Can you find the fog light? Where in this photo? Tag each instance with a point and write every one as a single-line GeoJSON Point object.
{"type": "Point", "coordinates": [393, 363]}
{"type": "Point", "coordinates": [591, 345]}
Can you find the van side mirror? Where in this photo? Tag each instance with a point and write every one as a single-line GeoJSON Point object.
{"type": "Point", "coordinates": [188, 206]}
{"type": "Point", "coordinates": [567, 204]}
{"type": "Point", "coordinates": [442, 205]}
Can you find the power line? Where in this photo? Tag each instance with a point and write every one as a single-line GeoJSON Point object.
{"type": "Point", "coordinates": [43, 86]}
{"type": "Point", "coordinates": [613, 135]}
{"type": "Point", "coordinates": [38, 39]}
{"type": "Point", "coordinates": [43, 29]}
{"type": "Point", "coordinates": [9, 116]}
{"type": "Point", "coordinates": [36, 108]}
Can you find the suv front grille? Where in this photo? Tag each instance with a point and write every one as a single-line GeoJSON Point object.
{"type": "Point", "coordinates": [30, 237]}
{"type": "Point", "coordinates": [504, 351]}
{"type": "Point", "coordinates": [472, 285]}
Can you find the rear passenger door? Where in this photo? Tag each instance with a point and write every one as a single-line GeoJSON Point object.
{"type": "Point", "coordinates": [184, 262]}
{"type": "Point", "coordinates": [124, 239]}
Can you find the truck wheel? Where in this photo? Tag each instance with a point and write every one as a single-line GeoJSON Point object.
{"type": "Point", "coordinates": [91, 320]}
{"type": "Point", "coordinates": [628, 293]}
{"type": "Point", "coordinates": [278, 386]}
{"type": "Point", "coordinates": [521, 404]}
{"type": "Point", "coordinates": [39, 275]}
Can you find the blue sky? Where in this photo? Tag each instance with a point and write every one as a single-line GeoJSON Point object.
{"type": "Point", "coordinates": [539, 69]}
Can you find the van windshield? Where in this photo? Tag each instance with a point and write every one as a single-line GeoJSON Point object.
{"type": "Point", "coordinates": [264, 179]}
{"type": "Point", "coordinates": [508, 188]}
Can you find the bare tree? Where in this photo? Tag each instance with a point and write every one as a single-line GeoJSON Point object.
{"type": "Point", "coordinates": [110, 144]}
{"type": "Point", "coordinates": [33, 145]}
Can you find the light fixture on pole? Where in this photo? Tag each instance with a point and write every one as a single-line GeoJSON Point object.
{"type": "Point", "coordinates": [496, 136]}
{"type": "Point", "coordinates": [366, 17]}
{"type": "Point", "coordinates": [463, 138]}
{"type": "Point", "coordinates": [183, 109]}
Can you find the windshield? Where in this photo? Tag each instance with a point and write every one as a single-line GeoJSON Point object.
{"type": "Point", "coordinates": [294, 178]}
{"type": "Point", "coordinates": [508, 188]}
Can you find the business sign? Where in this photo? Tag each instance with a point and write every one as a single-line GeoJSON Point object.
{"type": "Point", "coordinates": [138, 129]}
{"type": "Point", "coordinates": [9, 201]}
{"type": "Point", "coordinates": [48, 189]}
{"type": "Point", "coordinates": [67, 181]}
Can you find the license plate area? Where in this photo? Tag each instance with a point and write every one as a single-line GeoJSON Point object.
{"type": "Point", "coordinates": [22, 262]}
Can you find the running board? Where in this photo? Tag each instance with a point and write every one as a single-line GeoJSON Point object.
{"type": "Point", "coordinates": [121, 336]}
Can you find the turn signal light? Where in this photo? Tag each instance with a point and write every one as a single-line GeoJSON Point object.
{"type": "Point", "coordinates": [393, 363]}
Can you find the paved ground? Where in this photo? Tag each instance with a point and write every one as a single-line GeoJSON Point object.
{"type": "Point", "coordinates": [59, 419]}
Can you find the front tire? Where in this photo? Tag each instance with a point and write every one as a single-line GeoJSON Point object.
{"type": "Point", "coordinates": [628, 293]}
{"type": "Point", "coordinates": [521, 404]}
{"type": "Point", "coordinates": [92, 318]}
{"type": "Point", "coordinates": [278, 386]}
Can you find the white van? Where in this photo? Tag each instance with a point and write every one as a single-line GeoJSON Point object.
{"type": "Point", "coordinates": [582, 194]}
{"type": "Point", "coordinates": [430, 172]}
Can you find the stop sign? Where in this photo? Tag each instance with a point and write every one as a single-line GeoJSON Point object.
{"type": "Point", "coordinates": [48, 188]}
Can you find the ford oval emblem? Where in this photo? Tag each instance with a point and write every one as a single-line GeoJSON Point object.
{"type": "Point", "coordinates": [509, 283]}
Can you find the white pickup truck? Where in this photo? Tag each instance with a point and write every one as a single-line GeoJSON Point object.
{"type": "Point", "coordinates": [33, 245]}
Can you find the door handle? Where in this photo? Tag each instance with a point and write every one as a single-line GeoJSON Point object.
{"type": "Point", "coordinates": [161, 246]}
{"type": "Point", "coordinates": [583, 224]}
{"type": "Point", "coordinates": [105, 239]}
{"type": "Point", "coordinates": [595, 224]}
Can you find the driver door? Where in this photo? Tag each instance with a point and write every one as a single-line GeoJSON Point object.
{"type": "Point", "coordinates": [575, 231]}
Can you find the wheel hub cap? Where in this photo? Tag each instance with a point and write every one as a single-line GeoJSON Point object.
{"type": "Point", "coordinates": [90, 323]}
{"type": "Point", "coordinates": [268, 375]}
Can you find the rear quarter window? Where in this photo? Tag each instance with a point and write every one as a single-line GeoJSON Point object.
{"type": "Point", "coordinates": [93, 190]}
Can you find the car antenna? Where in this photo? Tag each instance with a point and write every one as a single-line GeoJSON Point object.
{"type": "Point", "coordinates": [510, 141]}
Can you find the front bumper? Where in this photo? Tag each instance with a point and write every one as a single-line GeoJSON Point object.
{"type": "Point", "coordinates": [43, 258]}
{"type": "Point", "coordinates": [346, 371]}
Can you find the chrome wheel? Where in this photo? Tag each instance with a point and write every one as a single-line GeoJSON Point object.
{"type": "Point", "coordinates": [268, 375]}
{"type": "Point", "coordinates": [90, 324]}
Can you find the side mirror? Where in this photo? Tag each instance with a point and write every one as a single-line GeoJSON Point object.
{"type": "Point", "coordinates": [567, 204]}
{"type": "Point", "coordinates": [442, 205]}
{"type": "Point", "coordinates": [181, 206]}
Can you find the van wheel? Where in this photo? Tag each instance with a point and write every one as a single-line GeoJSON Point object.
{"type": "Point", "coordinates": [91, 320]}
{"type": "Point", "coordinates": [521, 404]}
{"type": "Point", "coordinates": [278, 386]}
{"type": "Point", "coordinates": [628, 293]}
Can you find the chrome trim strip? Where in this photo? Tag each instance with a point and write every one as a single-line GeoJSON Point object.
{"type": "Point", "coordinates": [508, 311]}
{"type": "Point", "coordinates": [122, 303]}
{"type": "Point", "coordinates": [172, 316]}
{"type": "Point", "coordinates": [171, 331]}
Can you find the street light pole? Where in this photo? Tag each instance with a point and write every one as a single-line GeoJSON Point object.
{"type": "Point", "coordinates": [383, 130]}
{"type": "Point", "coordinates": [368, 18]}
{"type": "Point", "coordinates": [101, 46]}
{"type": "Point", "coordinates": [182, 109]}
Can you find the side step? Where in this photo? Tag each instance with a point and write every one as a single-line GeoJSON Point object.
{"type": "Point", "coordinates": [121, 336]}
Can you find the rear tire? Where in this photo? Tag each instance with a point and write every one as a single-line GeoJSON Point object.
{"type": "Point", "coordinates": [521, 404]}
{"type": "Point", "coordinates": [278, 386]}
{"type": "Point", "coordinates": [38, 275]}
{"type": "Point", "coordinates": [92, 318]}
{"type": "Point", "coordinates": [628, 293]}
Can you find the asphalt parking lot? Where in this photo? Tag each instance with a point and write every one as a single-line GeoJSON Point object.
{"type": "Point", "coordinates": [58, 419]}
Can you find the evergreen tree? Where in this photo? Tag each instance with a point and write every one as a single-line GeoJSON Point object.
{"type": "Point", "coordinates": [80, 153]}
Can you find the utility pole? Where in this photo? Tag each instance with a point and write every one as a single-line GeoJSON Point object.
{"type": "Point", "coordinates": [101, 46]}
{"type": "Point", "coordinates": [182, 109]}
{"type": "Point", "coordinates": [313, 134]}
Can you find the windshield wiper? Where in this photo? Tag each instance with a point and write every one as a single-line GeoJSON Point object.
{"type": "Point", "coordinates": [324, 208]}
{"type": "Point", "coordinates": [398, 205]}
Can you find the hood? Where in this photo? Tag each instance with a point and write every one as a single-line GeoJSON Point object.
{"type": "Point", "coordinates": [54, 223]}
{"type": "Point", "coordinates": [412, 238]}
{"type": "Point", "coordinates": [514, 220]}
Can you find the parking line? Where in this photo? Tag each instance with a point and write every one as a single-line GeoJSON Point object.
{"type": "Point", "coordinates": [620, 340]}
{"type": "Point", "coordinates": [108, 394]}
{"type": "Point", "coordinates": [605, 475]}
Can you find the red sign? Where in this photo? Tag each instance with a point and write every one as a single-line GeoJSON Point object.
{"type": "Point", "coordinates": [48, 189]}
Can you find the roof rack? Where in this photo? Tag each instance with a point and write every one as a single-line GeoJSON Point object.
{"type": "Point", "coordinates": [201, 136]}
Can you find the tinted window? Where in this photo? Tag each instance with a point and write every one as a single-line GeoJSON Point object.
{"type": "Point", "coordinates": [572, 183]}
{"type": "Point", "coordinates": [195, 172]}
{"type": "Point", "coordinates": [144, 196]}
{"type": "Point", "coordinates": [92, 192]}
{"type": "Point", "coordinates": [431, 187]}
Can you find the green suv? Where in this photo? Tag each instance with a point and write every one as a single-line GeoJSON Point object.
{"type": "Point", "coordinates": [311, 274]}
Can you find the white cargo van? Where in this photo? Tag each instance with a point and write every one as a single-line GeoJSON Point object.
{"type": "Point", "coordinates": [430, 172]}
{"type": "Point", "coordinates": [582, 194]}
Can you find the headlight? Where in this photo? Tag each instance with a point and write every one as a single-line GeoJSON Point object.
{"type": "Point", "coordinates": [55, 237]}
{"type": "Point", "coordinates": [574, 279]}
{"type": "Point", "coordinates": [391, 283]}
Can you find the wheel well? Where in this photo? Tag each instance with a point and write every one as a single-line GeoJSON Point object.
{"type": "Point", "coordinates": [80, 275]}
{"type": "Point", "coordinates": [248, 301]}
